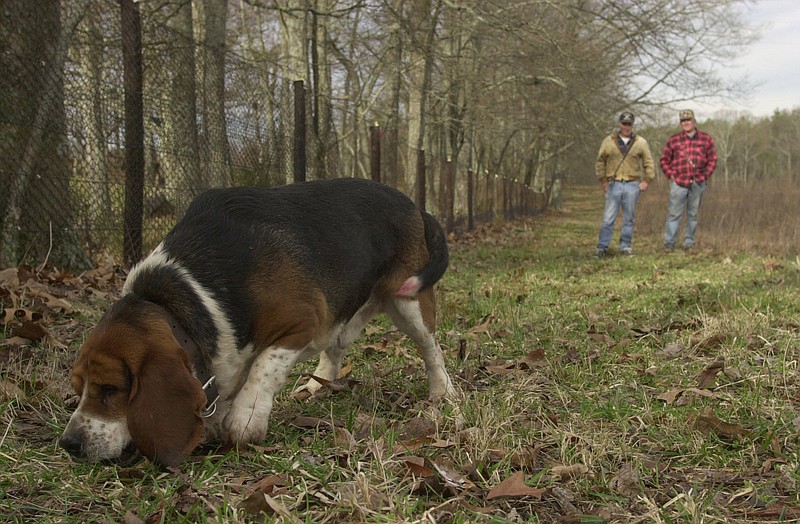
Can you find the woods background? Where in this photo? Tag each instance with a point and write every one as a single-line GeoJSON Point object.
{"type": "Point", "coordinates": [478, 108]}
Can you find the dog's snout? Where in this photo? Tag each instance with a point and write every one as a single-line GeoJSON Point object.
{"type": "Point", "coordinates": [71, 443]}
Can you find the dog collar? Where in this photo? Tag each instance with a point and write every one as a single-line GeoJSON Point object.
{"type": "Point", "coordinates": [201, 371]}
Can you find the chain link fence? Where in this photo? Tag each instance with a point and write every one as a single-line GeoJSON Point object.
{"type": "Point", "coordinates": [65, 112]}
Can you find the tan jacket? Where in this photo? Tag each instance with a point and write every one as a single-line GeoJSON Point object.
{"type": "Point", "coordinates": [638, 163]}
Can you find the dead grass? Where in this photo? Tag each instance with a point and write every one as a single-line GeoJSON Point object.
{"type": "Point", "coordinates": [646, 389]}
{"type": "Point", "coordinates": [760, 216]}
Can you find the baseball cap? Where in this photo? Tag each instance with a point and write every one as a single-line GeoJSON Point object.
{"type": "Point", "coordinates": [626, 117]}
{"type": "Point", "coordinates": [686, 114]}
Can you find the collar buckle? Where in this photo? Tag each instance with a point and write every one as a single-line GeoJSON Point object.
{"type": "Point", "coordinates": [211, 408]}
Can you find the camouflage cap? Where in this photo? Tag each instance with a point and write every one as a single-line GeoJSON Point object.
{"type": "Point", "coordinates": [626, 118]}
{"type": "Point", "coordinates": [686, 114]}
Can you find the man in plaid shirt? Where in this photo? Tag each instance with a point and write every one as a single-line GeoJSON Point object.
{"type": "Point", "coordinates": [688, 159]}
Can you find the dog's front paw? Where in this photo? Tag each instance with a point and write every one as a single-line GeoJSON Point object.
{"type": "Point", "coordinates": [246, 425]}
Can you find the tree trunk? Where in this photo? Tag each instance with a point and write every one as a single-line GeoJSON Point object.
{"type": "Point", "coordinates": [213, 99]}
{"type": "Point", "coordinates": [37, 223]}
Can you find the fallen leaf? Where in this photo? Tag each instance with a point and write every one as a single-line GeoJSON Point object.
{"type": "Point", "coordinates": [10, 390]}
{"type": "Point", "coordinates": [451, 476]}
{"type": "Point", "coordinates": [671, 350]}
{"type": "Point", "coordinates": [571, 471]}
{"type": "Point", "coordinates": [710, 423]}
{"type": "Point", "coordinates": [534, 358]}
{"type": "Point", "coordinates": [777, 510]}
{"type": "Point", "coordinates": [31, 330]}
{"type": "Point", "coordinates": [418, 427]}
{"type": "Point", "coordinates": [343, 438]}
{"type": "Point", "coordinates": [416, 466]}
{"type": "Point", "coordinates": [359, 495]}
{"type": "Point", "coordinates": [315, 422]}
{"type": "Point", "coordinates": [131, 518]}
{"type": "Point", "coordinates": [514, 486]}
{"type": "Point", "coordinates": [708, 342]}
{"type": "Point", "coordinates": [603, 338]}
{"type": "Point", "coordinates": [626, 482]}
{"type": "Point", "coordinates": [709, 375]}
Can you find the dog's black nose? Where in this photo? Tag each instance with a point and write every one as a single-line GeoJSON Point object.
{"type": "Point", "coordinates": [71, 444]}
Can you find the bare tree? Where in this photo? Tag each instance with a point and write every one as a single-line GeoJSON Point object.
{"type": "Point", "coordinates": [34, 150]}
{"type": "Point", "coordinates": [212, 65]}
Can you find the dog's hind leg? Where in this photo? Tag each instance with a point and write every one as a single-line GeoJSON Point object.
{"type": "Point", "coordinates": [416, 318]}
{"type": "Point", "coordinates": [330, 360]}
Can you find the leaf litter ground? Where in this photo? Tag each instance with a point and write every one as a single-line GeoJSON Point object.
{"type": "Point", "coordinates": [653, 388]}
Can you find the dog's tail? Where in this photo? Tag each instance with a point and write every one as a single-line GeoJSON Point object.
{"type": "Point", "coordinates": [437, 264]}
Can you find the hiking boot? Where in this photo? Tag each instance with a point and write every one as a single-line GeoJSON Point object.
{"type": "Point", "coordinates": [600, 253]}
{"type": "Point", "coordinates": [628, 252]}
{"type": "Point", "coordinates": [668, 248]}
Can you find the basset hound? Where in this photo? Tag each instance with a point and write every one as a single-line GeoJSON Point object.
{"type": "Point", "coordinates": [247, 284]}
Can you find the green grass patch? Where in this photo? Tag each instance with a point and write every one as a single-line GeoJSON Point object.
{"type": "Point", "coordinates": [653, 388]}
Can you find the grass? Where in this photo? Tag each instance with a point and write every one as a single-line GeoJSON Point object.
{"type": "Point", "coordinates": [654, 388]}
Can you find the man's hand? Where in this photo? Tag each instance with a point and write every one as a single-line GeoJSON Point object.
{"type": "Point", "coordinates": [605, 185]}
{"type": "Point", "coordinates": [643, 185]}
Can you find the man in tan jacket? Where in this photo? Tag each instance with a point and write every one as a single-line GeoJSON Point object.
{"type": "Point", "coordinates": [624, 167]}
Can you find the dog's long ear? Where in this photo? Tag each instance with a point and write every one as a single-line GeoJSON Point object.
{"type": "Point", "coordinates": [164, 409]}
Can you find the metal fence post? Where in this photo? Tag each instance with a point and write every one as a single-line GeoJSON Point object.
{"type": "Point", "coordinates": [470, 201]}
{"type": "Point", "coordinates": [449, 195]}
{"type": "Point", "coordinates": [421, 179]}
{"type": "Point", "coordinates": [134, 130]}
{"type": "Point", "coordinates": [299, 131]}
{"type": "Point", "coordinates": [375, 152]}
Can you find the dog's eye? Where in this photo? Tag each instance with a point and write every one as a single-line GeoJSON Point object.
{"type": "Point", "coordinates": [106, 392]}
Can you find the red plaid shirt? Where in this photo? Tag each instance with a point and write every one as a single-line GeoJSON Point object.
{"type": "Point", "coordinates": [685, 159]}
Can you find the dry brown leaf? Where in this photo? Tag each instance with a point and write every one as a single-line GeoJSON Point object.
{"type": "Point", "coordinates": [343, 438]}
{"type": "Point", "coordinates": [534, 358]}
{"type": "Point", "coordinates": [271, 483]}
{"type": "Point", "coordinates": [777, 510]}
{"type": "Point", "coordinates": [131, 518]}
{"type": "Point", "coordinates": [418, 427]}
{"type": "Point", "coordinates": [416, 466]}
{"type": "Point", "coordinates": [670, 396]}
{"type": "Point", "coordinates": [360, 495]}
{"type": "Point", "coordinates": [10, 390]}
{"type": "Point", "coordinates": [502, 370]}
{"type": "Point", "coordinates": [571, 471]}
{"type": "Point", "coordinates": [260, 502]}
{"type": "Point", "coordinates": [315, 422]}
{"type": "Point", "coordinates": [483, 327]}
{"type": "Point", "coordinates": [626, 482]}
{"type": "Point", "coordinates": [683, 395]}
{"type": "Point", "coordinates": [603, 338]}
{"type": "Point", "coordinates": [709, 375]}
{"type": "Point", "coordinates": [514, 486]}
{"type": "Point", "coordinates": [708, 342]}
{"type": "Point", "coordinates": [30, 330]}
{"type": "Point", "coordinates": [450, 475]}
{"type": "Point", "coordinates": [671, 350]}
{"type": "Point", "coordinates": [710, 423]}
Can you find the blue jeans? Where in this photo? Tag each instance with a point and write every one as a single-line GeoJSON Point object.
{"type": "Point", "coordinates": [680, 199]}
{"type": "Point", "coordinates": [619, 194]}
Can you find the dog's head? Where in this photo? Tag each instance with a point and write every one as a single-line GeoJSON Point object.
{"type": "Point", "coordinates": [137, 391]}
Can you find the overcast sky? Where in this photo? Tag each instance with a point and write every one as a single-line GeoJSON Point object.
{"type": "Point", "coordinates": [772, 62]}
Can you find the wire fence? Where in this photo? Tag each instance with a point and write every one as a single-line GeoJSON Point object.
{"type": "Point", "coordinates": [109, 124]}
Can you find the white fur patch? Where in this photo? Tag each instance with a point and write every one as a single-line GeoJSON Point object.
{"type": "Point", "coordinates": [229, 362]}
{"type": "Point", "coordinates": [101, 439]}
{"type": "Point", "coordinates": [248, 418]}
